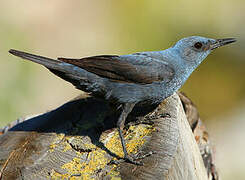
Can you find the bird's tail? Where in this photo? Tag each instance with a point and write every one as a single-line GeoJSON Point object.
{"type": "Point", "coordinates": [47, 62]}
{"type": "Point", "coordinates": [79, 77]}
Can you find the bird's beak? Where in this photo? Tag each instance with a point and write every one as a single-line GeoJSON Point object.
{"type": "Point", "coordinates": [221, 42]}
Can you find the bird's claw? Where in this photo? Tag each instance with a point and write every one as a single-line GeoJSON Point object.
{"type": "Point", "coordinates": [127, 159]}
{"type": "Point", "coordinates": [149, 121]}
{"type": "Point", "coordinates": [165, 115]}
{"type": "Point", "coordinates": [139, 156]}
{"type": "Point", "coordinates": [142, 121]}
{"type": "Point", "coordinates": [116, 162]}
{"type": "Point", "coordinates": [133, 160]}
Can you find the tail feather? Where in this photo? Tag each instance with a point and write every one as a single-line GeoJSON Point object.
{"type": "Point", "coordinates": [47, 62]}
{"type": "Point", "coordinates": [79, 77]}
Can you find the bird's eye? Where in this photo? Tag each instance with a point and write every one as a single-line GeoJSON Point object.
{"type": "Point", "coordinates": [198, 45]}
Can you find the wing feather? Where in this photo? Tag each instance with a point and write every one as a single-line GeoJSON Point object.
{"type": "Point", "coordinates": [118, 69]}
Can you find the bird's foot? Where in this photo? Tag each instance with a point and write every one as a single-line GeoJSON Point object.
{"type": "Point", "coordinates": [127, 159]}
{"type": "Point", "coordinates": [142, 155]}
{"type": "Point", "coordinates": [133, 160]}
{"type": "Point", "coordinates": [157, 116]}
{"type": "Point", "coordinates": [149, 120]}
{"type": "Point", "coordinates": [165, 115]}
{"type": "Point", "coordinates": [141, 121]}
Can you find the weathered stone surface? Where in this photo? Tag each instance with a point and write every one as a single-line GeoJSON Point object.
{"type": "Point", "coordinates": [79, 140]}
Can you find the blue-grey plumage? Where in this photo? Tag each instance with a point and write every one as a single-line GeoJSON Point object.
{"type": "Point", "coordinates": [136, 78]}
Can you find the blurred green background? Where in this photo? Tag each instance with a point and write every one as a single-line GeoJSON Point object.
{"type": "Point", "coordinates": [85, 28]}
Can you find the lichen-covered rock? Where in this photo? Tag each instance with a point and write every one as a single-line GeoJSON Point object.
{"type": "Point", "coordinates": [79, 141]}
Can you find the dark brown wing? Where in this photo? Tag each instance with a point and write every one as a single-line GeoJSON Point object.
{"type": "Point", "coordinates": [115, 69]}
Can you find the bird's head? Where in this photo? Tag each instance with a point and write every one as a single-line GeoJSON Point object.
{"type": "Point", "coordinates": [193, 50]}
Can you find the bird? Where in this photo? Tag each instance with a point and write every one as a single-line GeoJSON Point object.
{"type": "Point", "coordinates": [142, 77]}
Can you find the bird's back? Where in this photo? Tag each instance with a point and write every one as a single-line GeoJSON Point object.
{"type": "Point", "coordinates": [128, 78]}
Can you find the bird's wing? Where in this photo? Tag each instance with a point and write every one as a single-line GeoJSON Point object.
{"type": "Point", "coordinates": [125, 69]}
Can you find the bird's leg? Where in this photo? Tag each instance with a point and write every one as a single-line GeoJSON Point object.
{"type": "Point", "coordinates": [127, 108]}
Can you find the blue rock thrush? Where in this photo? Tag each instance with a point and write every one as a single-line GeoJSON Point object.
{"type": "Point", "coordinates": [131, 79]}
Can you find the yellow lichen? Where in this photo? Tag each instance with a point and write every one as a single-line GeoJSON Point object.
{"type": "Point", "coordinates": [114, 144]}
{"type": "Point", "coordinates": [89, 146]}
{"type": "Point", "coordinates": [58, 138]}
{"type": "Point", "coordinates": [52, 147]}
{"type": "Point", "coordinates": [96, 159]}
{"type": "Point", "coordinates": [115, 178]}
{"type": "Point", "coordinates": [114, 173]}
{"type": "Point", "coordinates": [134, 139]}
{"type": "Point", "coordinates": [138, 138]}
{"type": "Point", "coordinates": [56, 175]}
{"type": "Point", "coordinates": [67, 147]}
